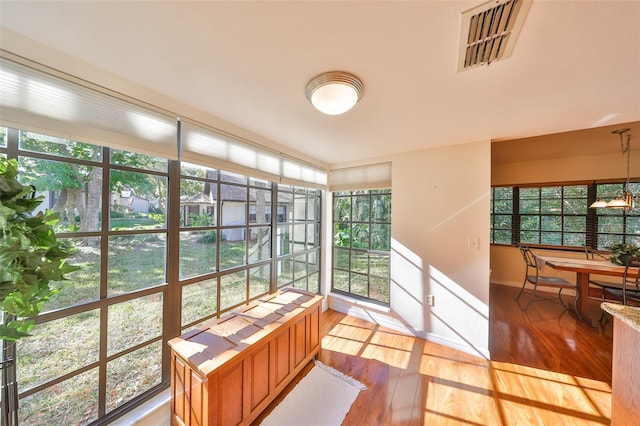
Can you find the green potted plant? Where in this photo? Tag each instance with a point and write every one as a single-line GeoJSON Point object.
{"type": "Point", "coordinates": [624, 253]}
{"type": "Point", "coordinates": [30, 258]}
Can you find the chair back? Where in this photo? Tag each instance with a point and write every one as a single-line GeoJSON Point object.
{"type": "Point", "coordinates": [589, 252]}
{"type": "Point", "coordinates": [527, 255]}
{"type": "Point", "coordinates": [630, 285]}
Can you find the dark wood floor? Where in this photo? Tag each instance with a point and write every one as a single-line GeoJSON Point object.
{"type": "Point", "coordinates": [547, 368]}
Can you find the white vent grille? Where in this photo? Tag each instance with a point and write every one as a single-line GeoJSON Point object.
{"type": "Point", "coordinates": [489, 31]}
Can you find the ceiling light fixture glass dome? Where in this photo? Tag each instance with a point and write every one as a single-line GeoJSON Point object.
{"type": "Point", "coordinates": [334, 92]}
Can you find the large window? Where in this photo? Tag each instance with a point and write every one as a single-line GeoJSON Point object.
{"type": "Point", "coordinates": [99, 341]}
{"type": "Point", "coordinates": [558, 215]}
{"type": "Point", "coordinates": [298, 238]}
{"type": "Point", "coordinates": [362, 243]}
{"type": "Point", "coordinates": [163, 247]}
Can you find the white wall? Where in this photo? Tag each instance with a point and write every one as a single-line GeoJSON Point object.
{"type": "Point", "coordinates": [440, 227]}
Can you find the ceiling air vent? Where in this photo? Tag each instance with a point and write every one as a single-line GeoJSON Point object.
{"type": "Point", "coordinates": [490, 31]}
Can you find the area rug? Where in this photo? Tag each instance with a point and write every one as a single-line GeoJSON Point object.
{"type": "Point", "coordinates": [322, 398]}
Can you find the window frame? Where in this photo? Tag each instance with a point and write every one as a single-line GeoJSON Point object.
{"type": "Point", "coordinates": [308, 277]}
{"type": "Point", "coordinates": [594, 236]}
{"type": "Point", "coordinates": [366, 254]}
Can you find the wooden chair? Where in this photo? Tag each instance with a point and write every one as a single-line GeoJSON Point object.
{"type": "Point", "coordinates": [628, 292]}
{"type": "Point", "coordinates": [611, 290]}
{"type": "Point", "coordinates": [532, 276]}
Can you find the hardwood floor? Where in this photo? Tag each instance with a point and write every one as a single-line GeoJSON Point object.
{"type": "Point", "coordinates": [547, 368]}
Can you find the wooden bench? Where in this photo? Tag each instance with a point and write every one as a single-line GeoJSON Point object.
{"type": "Point", "coordinates": [229, 371]}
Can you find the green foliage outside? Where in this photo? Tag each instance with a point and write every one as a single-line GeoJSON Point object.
{"type": "Point", "coordinates": [362, 242]}
{"type": "Point", "coordinates": [30, 255]}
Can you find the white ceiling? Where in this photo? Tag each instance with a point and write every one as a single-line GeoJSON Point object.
{"type": "Point", "coordinates": [576, 65]}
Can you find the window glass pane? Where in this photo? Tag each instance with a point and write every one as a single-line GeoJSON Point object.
{"type": "Point", "coordinates": [285, 207]}
{"type": "Point", "coordinates": [633, 225]}
{"type": "Point", "coordinates": [554, 238]}
{"type": "Point", "coordinates": [576, 240]}
{"type": "Point", "coordinates": [340, 280]}
{"type": "Point", "coordinates": [550, 192]}
{"type": "Point", "coordinates": [299, 237]}
{"type": "Point", "coordinates": [381, 237]}
{"type": "Point", "coordinates": [259, 279]}
{"type": "Point", "coordinates": [551, 223]}
{"type": "Point", "coordinates": [575, 206]}
{"type": "Point", "coordinates": [71, 402]}
{"type": "Point", "coordinates": [608, 191]}
{"type": "Point", "coordinates": [341, 209]}
{"type": "Point", "coordinates": [502, 221]}
{"type": "Point", "coordinates": [313, 264]}
{"type": "Point", "coordinates": [341, 258]}
{"type": "Point", "coordinates": [60, 147]}
{"type": "Point", "coordinates": [82, 285]}
{"type": "Point", "coordinates": [133, 322]}
{"type": "Point", "coordinates": [528, 223]}
{"type": "Point", "coordinates": [503, 193]}
{"type": "Point", "coordinates": [529, 206]}
{"type": "Point", "coordinates": [313, 283]}
{"type": "Point", "coordinates": [233, 205]}
{"type": "Point", "coordinates": [551, 206]}
{"type": "Point", "coordinates": [379, 288]}
{"type": "Point", "coordinates": [260, 243]}
{"type": "Point", "coordinates": [360, 235]}
{"type": "Point", "coordinates": [575, 224]}
{"type": "Point", "coordinates": [313, 235]}
{"type": "Point", "coordinates": [313, 208]}
{"type": "Point", "coordinates": [359, 285]}
{"type": "Point", "coordinates": [610, 224]}
{"type": "Point", "coordinates": [232, 248]}
{"type": "Point", "coordinates": [503, 206]}
{"type": "Point", "coordinates": [529, 193]}
{"type": "Point", "coordinates": [300, 207]}
{"type": "Point", "coordinates": [72, 190]}
{"type": "Point", "coordinates": [138, 161]}
{"type": "Point", "coordinates": [125, 382]}
{"type": "Point", "coordinates": [194, 170]}
{"type": "Point", "coordinates": [260, 206]}
{"type": "Point", "coordinates": [300, 267]}
{"type": "Point", "coordinates": [232, 177]}
{"type": "Point", "coordinates": [3, 137]}
{"type": "Point", "coordinates": [197, 203]}
{"type": "Point", "coordinates": [285, 272]}
{"type": "Point", "coordinates": [381, 205]}
{"type": "Point", "coordinates": [530, 237]}
{"type": "Point", "coordinates": [502, 237]}
{"type": "Point", "coordinates": [197, 253]}
{"type": "Point", "coordinates": [361, 209]}
{"type": "Point", "coordinates": [74, 339]}
{"type": "Point", "coordinates": [233, 289]}
{"type": "Point", "coordinates": [284, 243]}
{"type": "Point", "coordinates": [360, 262]}
{"type": "Point", "coordinates": [199, 300]}
{"type": "Point", "coordinates": [138, 200]}
{"type": "Point", "coordinates": [259, 182]}
{"type": "Point", "coordinates": [136, 262]}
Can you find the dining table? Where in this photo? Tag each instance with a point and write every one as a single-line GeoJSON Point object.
{"type": "Point", "coordinates": [583, 269]}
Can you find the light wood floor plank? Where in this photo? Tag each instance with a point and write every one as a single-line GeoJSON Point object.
{"type": "Point", "coordinates": [547, 368]}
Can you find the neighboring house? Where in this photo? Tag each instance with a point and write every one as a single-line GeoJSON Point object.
{"type": "Point", "coordinates": [195, 208]}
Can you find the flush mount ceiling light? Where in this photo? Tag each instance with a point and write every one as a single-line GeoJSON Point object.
{"type": "Point", "coordinates": [334, 92]}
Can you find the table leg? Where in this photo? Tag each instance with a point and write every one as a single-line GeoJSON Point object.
{"type": "Point", "coordinates": [582, 302]}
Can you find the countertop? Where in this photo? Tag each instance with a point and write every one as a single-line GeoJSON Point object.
{"type": "Point", "coordinates": [627, 314]}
